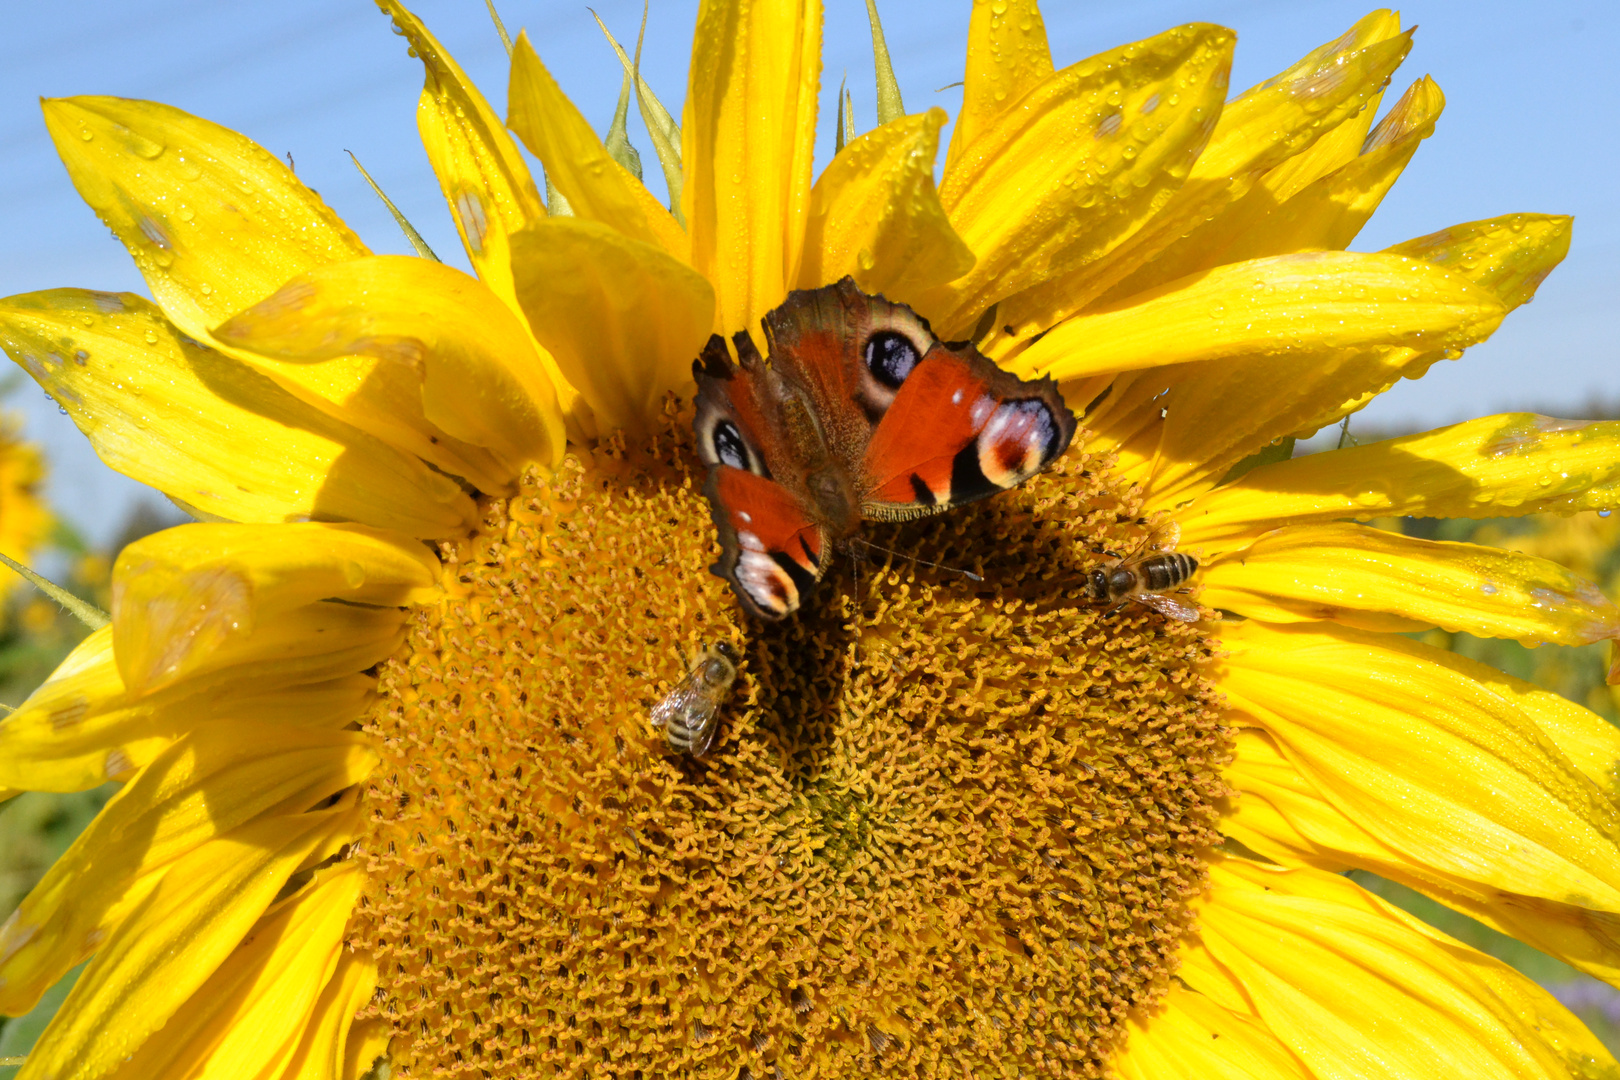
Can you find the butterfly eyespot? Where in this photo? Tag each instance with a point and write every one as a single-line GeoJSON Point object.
{"type": "Point", "coordinates": [890, 356]}
{"type": "Point", "coordinates": [729, 447]}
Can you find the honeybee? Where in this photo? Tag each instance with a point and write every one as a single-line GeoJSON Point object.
{"type": "Point", "coordinates": [686, 714]}
{"type": "Point", "coordinates": [1146, 579]}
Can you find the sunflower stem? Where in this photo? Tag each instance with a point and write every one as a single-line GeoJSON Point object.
{"type": "Point", "coordinates": [889, 105]}
{"type": "Point", "coordinates": [500, 27]}
{"type": "Point", "coordinates": [89, 614]}
{"type": "Point", "coordinates": [415, 238]}
{"type": "Point", "coordinates": [661, 127]}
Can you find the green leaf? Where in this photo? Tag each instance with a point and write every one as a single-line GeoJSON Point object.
{"type": "Point", "coordinates": [617, 143]}
{"type": "Point", "coordinates": [661, 127]}
{"type": "Point", "coordinates": [889, 105]}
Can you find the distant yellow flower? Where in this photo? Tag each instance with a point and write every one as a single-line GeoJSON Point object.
{"type": "Point", "coordinates": [25, 523]}
{"type": "Point", "coordinates": [389, 799]}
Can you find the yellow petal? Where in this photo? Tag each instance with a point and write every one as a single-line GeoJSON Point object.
{"type": "Point", "coordinates": [479, 376]}
{"type": "Point", "coordinates": [1517, 463]}
{"type": "Point", "coordinates": [1082, 161]}
{"type": "Point", "coordinates": [1190, 1035]}
{"type": "Point", "coordinates": [1214, 415]}
{"type": "Point", "coordinates": [1357, 988]}
{"type": "Point", "coordinates": [1306, 100]}
{"type": "Point", "coordinates": [747, 137]}
{"type": "Point", "coordinates": [169, 946]}
{"type": "Point", "coordinates": [874, 215]}
{"type": "Point", "coordinates": [1591, 743]}
{"type": "Point", "coordinates": [248, 1019]}
{"type": "Point", "coordinates": [479, 167]}
{"type": "Point", "coordinates": [1440, 767]}
{"type": "Point", "coordinates": [199, 598]}
{"type": "Point", "coordinates": [1283, 816]}
{"type": "Point", "coordinates": [596, 187]}
{"type": "Point", "coordinates": [1511, 255]}
{"type": "Point", "coordinates": [214, 779]}
{"type": "Point", "coordinates": [1330, 212]}
{"type": "Point", "coordinates": [366, 1047]}
{"type": "Point", "coordinates": [1007, 57]}
{"type": "Point", "coordinates": [1256, 131]}
{"type": "Point", "coordinates": [81, 729]}
{"type": "Point", "coordinates": [623, 319]}
{"type": "Point", "coordinates": [1302, 306]}
{"type": "Point", "coordinates": [1340, 145]}
{"type": "Point", "coordinates": [320, 1054]}
{"type": "Point", "coordinates": [215, 222]}
{"type": "Point", "coordinates": [200, 427]}
{"type": "Point", "coordinates": [1378, 580]}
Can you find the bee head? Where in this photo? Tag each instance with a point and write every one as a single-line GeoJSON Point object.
{"type": "Point", "coordinates": [720, 667]}
{"type": "Point", "coordinates": [1097, 585]}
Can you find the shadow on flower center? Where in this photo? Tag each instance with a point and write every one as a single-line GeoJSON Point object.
{"type": "Point", "coordinates": [964, 833]}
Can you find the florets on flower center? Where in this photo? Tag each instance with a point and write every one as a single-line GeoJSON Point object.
{"type": "Point", "coordinates": [943, 824]}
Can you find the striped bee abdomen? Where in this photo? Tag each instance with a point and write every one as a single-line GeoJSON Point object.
{"type": "Point", "coordinates": [1162, 572]}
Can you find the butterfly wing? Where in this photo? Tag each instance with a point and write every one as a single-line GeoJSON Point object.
{"type": "Point", "coordinates": [959, 429]}
{"type": "Point", "coordinates": [770, 550]}
{"type": "Point", "coordinates": [922, 425]}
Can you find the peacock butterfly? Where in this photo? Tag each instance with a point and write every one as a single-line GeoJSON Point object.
{"type": "Point", "coordinates": [861, 413]}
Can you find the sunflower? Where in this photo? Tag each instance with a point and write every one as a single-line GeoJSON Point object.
{"type": "Point", "coordinates": [391, 800]}
{"type": "Point", "coordinates": [25, 521]}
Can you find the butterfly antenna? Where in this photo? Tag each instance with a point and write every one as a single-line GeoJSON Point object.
{"type": "Point", "coordinates": [970, 575]}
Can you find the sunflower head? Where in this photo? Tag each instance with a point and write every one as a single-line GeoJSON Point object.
{"type": "Point", "coordinates": [395, 797]}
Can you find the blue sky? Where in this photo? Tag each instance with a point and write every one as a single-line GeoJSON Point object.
{"type": "Point", "coordinates": [1529, 126]}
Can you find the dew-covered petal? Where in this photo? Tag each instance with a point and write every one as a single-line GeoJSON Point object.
{"type": "Point", "coordinates": [215, 221]}
{"type": "Point", "coordinates": [215, 778]}
{"type": "Point", "coordinates": [1214, 415]}
{"type": "Point", "coordinates": [1329, 213]}
{"type": "Point", "coordinates": [202, 428]}
{"type": "Point", "coordinates": [478, 373]}
{"type": "Point", "coordinates": [597, 187]}
{"type": "Point", "coordinates": [1283, 816]}
{"type": "Point", "coordinates": [1306, 306]}
{"type": "Point", "coordinates": [199, 598]}
{"type": "Point", "coordinates": [1505, 465]}
{"type": "Point", "coordinates": [248, 1019]}
{"type": "Point", "coordinates": [1440, 768]}
{"type": "Point", "coordinates": [1301, 204]}
{"type": "Point", "coordinates": [1007, 57]}
{"type": "Point", "coordinates": [1358, 988]}
{"type": "Point", "coordinates": [747, 138]}
{"type": "Point", "coordinates": [321, 1052]}
{"type": "Point", "coordinates": [1283, 115]}
{"type": "Point", "coordinates": [1511, 255]}
{"type": "Point", "coordinates": [874, 215]}
{"type": "Point", "coordinates": [1378, 580]}
{"type": "Point", "coordinates": [623, 318]}
{"type": "Point", "coordinates": [1191, 1035]}
{"type": "Point", "coordinates": [176, 938]}
{"type": "Point", "coordinates": [1257, 131]}
{"type": "Point", "coordinates": [479, 167]}
{"type": "Point", "coordinates": [1079, 164]}
{"type": "Point", "coordinates": [81, 728]}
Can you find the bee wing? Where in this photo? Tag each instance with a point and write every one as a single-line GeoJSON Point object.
{"type": "Point", "coordinates": [703, 735]}
{"type": "Point", "coordinates": [1169, 535]}
{"type": "Point", "coordinates": [672, 704]}
{"type": "Point", "coordinates": [1170, 607]}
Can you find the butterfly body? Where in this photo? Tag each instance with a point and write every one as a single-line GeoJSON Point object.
{"type": "Point", "coordinates": [859, 414]}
